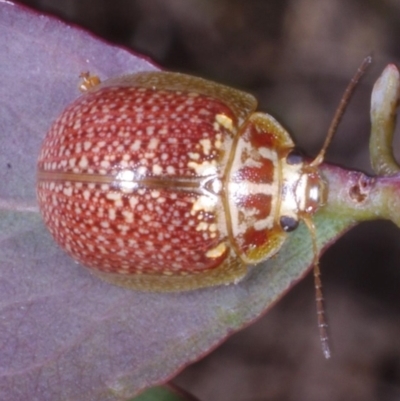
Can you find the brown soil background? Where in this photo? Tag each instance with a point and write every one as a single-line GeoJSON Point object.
{"type": "Point", "coordinates": [296, 57]}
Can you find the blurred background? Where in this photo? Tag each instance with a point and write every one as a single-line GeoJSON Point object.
{"type": "Point", "coordinates": [296, 57]}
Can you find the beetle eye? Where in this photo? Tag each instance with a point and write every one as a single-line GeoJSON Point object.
{"type": "Point", "coordinates": [288, 223]}
{"type": "Point", "coordinates": [294, 157]}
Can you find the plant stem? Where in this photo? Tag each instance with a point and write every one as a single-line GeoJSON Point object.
{"type": "Point", "coordinates": [359, 197]}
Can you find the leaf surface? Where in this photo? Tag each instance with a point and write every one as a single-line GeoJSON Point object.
{"type": "Point", "coordinates": [65, 335]}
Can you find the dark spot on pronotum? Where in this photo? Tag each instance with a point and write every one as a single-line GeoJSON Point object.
{"type": "Point", "coordinates": [288, 223]}
{"type": "Point", "coordinates": [295, 157]}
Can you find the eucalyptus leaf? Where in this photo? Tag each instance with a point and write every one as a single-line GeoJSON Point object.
{"type": "Point", "coordinates": [64, 334]}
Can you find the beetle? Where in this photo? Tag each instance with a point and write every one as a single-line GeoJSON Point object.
{"type": "Point", "coordinates": [161, 181]}
{"type": "Point", "coordinates": [171, 182]}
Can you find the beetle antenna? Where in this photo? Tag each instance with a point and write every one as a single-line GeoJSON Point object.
{"type": "Point", "coordinates": [319, 297]}
{"type": "Point", "coordinates": [341, 109]}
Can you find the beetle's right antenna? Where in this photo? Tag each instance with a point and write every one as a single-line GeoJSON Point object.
{"type": "Point", "coordinates": [319, 297]}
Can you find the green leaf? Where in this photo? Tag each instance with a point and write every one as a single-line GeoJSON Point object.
{"type": "Point", "coordinates": [164, 393]}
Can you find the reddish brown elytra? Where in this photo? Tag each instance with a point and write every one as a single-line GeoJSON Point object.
{"type": "Point", "coordinates": [160, 181]}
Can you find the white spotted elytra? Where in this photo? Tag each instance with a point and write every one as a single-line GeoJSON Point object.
{"type": "Point", "coordinates": [161, 181]}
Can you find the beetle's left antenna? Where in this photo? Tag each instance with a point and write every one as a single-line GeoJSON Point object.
{"type": "Point", "coordinates": [341, 109]}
